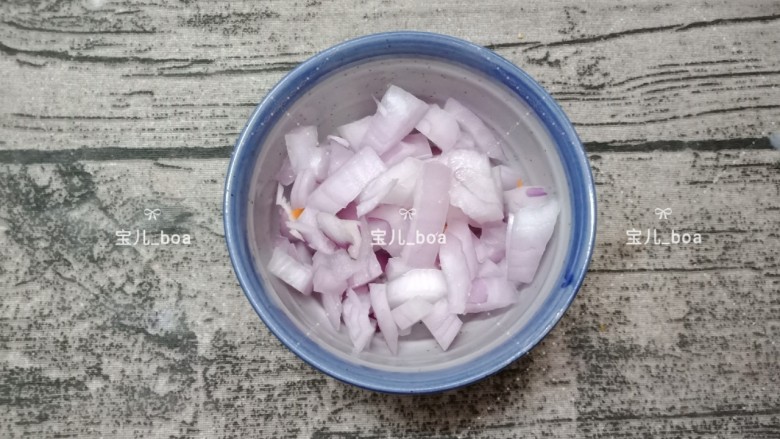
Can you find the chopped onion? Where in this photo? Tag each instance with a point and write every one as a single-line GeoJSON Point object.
{"type": "Point", "coordinates": [397, 227]}
{"type": "Point", "coordinates": [342, 232]}
{"type": "Point", "coordinates": [303, 152]}
{"type": "Point", "coordinates": [500, 294]}
{"type": "Point", "coordinates": [443, 324]}
{"type": "Point", "coordinates": [355, 311]}
{"type": "Point", "coordinates": [286, 174]}
{"type": "Point", "coordinates": [529, 230]}
{"type": "Point", "coordinates": [368, 267]}
{"type": "Point", "coordinates": [347, 182]}
{"type": "Point", "coordinates": [354, 132]}
{"type": "Point", "coordinates": [460, 229]}
{"type": "Point", "coordinates": [413, 145]}
{"type": "Point", "coordinates": [292, 272]}
{"type": "Point", "coordinates": [395, 186]}
{"type": "Point", "coordinates": [431, 201]}
{"type": "Point", "coordinates": [493, 238]}
{"type": "Point", "coordinates": [337, 156]}
{"type": "Point", "coordinates": [384, 317]}
{"type": "Point", "coordinates": [426, 283]}
{"type": "Point", "coordinates": [308, 228]}
{"type": "Point", "coordinates": [411, 312]}
{"type": "Point", "coordinates": [392, 226]}
{"type": "Point", "coordinates": [484, 138]}
{"type": "Point", "coordinates": [332, 272]}
{"type": "Point", "coordinates": [456, 273]}
{"type": "Point", "coordinates": [304, 185]}
{"type": "Point", "coordinates": [465, 141]}
{"type": "Point", "coordinates": [440, 127]}
{"type": "Point", "coordinates": [395, 268]}
{"type": "Point", "coordinates": [398, 113]}
{"type": "Point", "coordinates": [473, 190]}
{"type": "Point", "coordinates": [490, 269]}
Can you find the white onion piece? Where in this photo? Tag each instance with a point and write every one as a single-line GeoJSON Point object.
{"type": "Point", "coordinates": [411, 312]}
{"type": "Point", "coordinates": [342, 232]}
{"type": "Point", "coordinates": [384, 317]}
{"type": "Point", "coordinates": [395, 268]}
{"type": "Point", "coordinates": [284, 229]}
{"type": "Point", "coordinates": [347, 182]}
{"type": "Point", "coordinates": [286, 174]}
{"type": "Point", "coordinates": [292, 272]}
{"type": "Point", "coordinates": [397, 227]}
{"type": "Point", "coordinates": [355, 311]}
{"type": "Point", "coordinates": [398, 113]}
{"type": "Point", "coordinates": [303, 152]}
{"type": "Point", "coordinates": [413, 145]}
{"type": "Point", "coordinates": [490, 269]}
{"type": "Point", "coordinates": [510, 177]}
{"type": "Point", "coordinates": [379, 230]}
{"type": "Point", "coordinates": [354, 132]}
{"type": "Point", "coordinates": [426, 283]}
{"type": "Point", "coordinates": [286, 215]}
{"type": "Point", "coordinates": [526, 196]}
{"type": "Point", "coordinates": [373, 194]}
{"type": "Point", "coordinates": [477, 295]}
{"type": "Point", "coordinates": [500, 294]}
{"type": "Point", "coordinates": [474, 191]}
{"type": "Point", "coordinates": [431, 201]}
{"type": "Point", "coordinates": [337, 156]}
{"type": "Point", "coordinates": [440, 127]}
{"type": "Point", "coordinates": [306, 225]}
{"type": "Point", "coordinates": [368, 267]}
{"type": "Point", "coordinates": [332, 272]}
{"type": "Point", "coordinates": [443, 324]}
{"type": "Point", "coordinates": [465, 141]}
{"type": "Point", "coordinates": [340, 140]}
{"type": "Point", "coordinates": [493, 238]}
{"type": "Point", "coordinates": [282, 202]}
{"type": "Point", "coordinates": [395, 186]}
{"type": "Point", "coordinates": [460, 228]}
{"type": "Point", "coordinates": [302, 253]}
{"type": "Point", "coordinates": [479, 250]}
{"type": "Point", "coordinates": [485, 139]}
{"type": "Point", "coordinates": [333, 306]}
{"type": "Point", "coordinates": [303, 187]}
{"type": "Point", "coordinates": [456, 273]}
{"type": "Point", "coordinates": [528, 231]}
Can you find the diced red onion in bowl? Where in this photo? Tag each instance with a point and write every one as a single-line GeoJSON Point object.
{"type": "Point", "coordinates": [407, 216]}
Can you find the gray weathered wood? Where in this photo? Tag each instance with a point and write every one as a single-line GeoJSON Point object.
{"type": "Point", "coordinates": [182, 74]}
{"type": "Point", "coordinates": [99, 340]}
{"type": "Point", "coordinates": [142, 340]}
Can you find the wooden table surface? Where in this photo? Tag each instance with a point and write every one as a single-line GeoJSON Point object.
{"type": "Point", "coordinates": [110, 108]}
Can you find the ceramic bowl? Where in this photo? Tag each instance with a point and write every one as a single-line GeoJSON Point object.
{"type": "Point", "coordinates": [337, 86]}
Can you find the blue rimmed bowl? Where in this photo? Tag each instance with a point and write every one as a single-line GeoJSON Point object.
{"type": "Point", "coordinates": [337, 86]}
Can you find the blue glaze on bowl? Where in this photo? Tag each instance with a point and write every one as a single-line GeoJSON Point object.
{"type": "Point", "coordinates": [307, 75]}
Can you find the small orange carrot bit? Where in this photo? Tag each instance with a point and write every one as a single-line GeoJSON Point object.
{"type": "Point", "coordinates": [296, 212]}
{"type": "Point", "coordinates": [519, 182]}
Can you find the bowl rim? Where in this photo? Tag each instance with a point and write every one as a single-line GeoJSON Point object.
{"type": "Point", "coordinates": [460, 52]}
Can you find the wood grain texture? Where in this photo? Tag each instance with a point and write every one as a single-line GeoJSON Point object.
{"type": "Point", "coordinates": [104, 340]}
{"type": "Point", "coordinates": [109, 108]}
{"type": "Point", "coordinates": [187, 74]}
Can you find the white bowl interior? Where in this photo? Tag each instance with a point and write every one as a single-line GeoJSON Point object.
{"type": "Point", "coordinates": [348, 95]}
